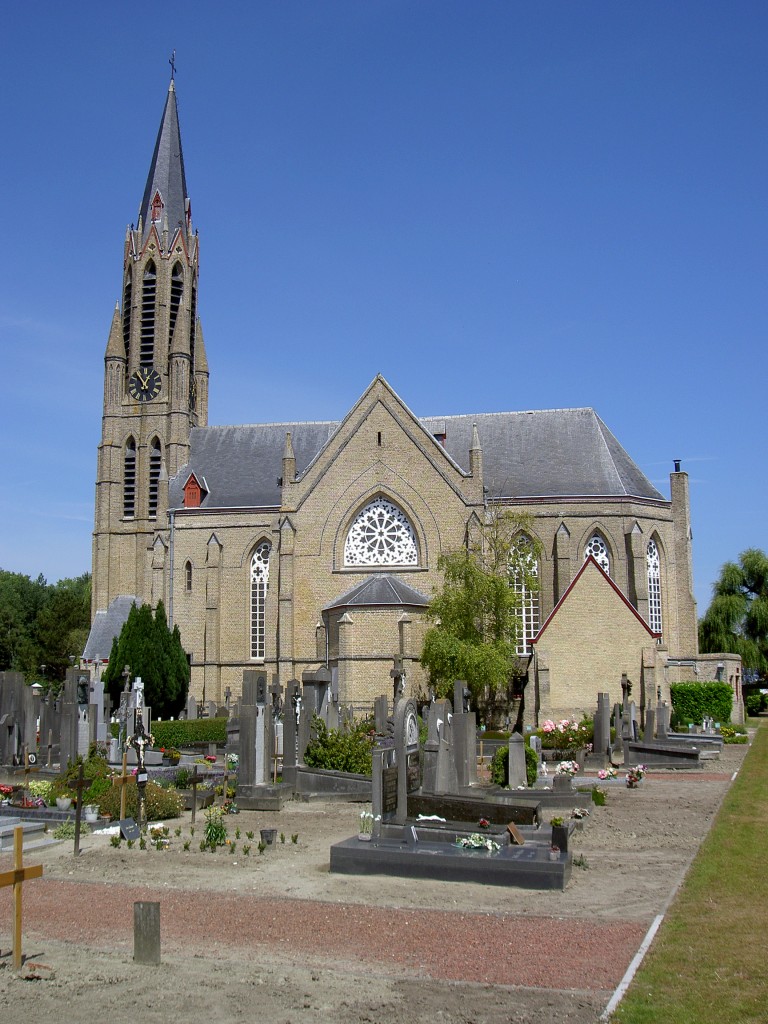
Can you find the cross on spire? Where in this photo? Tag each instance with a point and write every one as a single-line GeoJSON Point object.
{"type": "Point", "coordinates": [172, 62]}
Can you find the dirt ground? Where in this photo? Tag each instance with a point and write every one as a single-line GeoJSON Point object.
{"type": "Point", "coordinates": [277, 937]}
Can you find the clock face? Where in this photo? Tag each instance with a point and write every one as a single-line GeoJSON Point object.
{"type": "Point", "coordinates": [144, 385]}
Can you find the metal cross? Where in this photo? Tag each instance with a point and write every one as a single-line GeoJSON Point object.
{"type": "Point", "coordinates": [172, 62]}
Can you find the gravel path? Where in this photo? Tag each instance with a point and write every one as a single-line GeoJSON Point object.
{"type": "Point", "coordinates": [278, 937]}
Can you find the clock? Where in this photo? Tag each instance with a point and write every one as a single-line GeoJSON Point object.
{"type": "Point", "coordinates": [145, 384]}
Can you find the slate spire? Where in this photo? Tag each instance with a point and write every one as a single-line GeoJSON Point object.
{"type": "Point", "coordinates": [165, 196]}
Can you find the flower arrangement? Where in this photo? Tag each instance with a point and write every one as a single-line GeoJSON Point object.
{"type": "Point", "coordinates": [483, 823]}
{"type": "Point", "coordinates": [607, 773]}
{"type": "Point", "coordinates": [366, 823]}
{"type": "Point", "coordinates": [579, 812]}
{"type": "Point", "coordinates": [569, 768]}
{"type": "Point", "coordinates": [5, 793]}
{"type": "Point", "coordinates": [477, 842]}
{"type": "Point", "coordinates": [210, 758]}
{"type": "Point", "coordinates": [635, 775]}
{"type": "Point", "coordinates": [232, 762]}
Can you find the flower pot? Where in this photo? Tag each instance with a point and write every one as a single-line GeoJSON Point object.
{"type": "Point", "coordinates": [554, 855]}
{"type": "Point", "coordinates": [92, 812]}
{"type": "Point", "coordinates": [63, 803]}
{"type": "Point", "coordinates": [268, 836]}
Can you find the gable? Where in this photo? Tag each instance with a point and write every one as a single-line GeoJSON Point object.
{"type": "Point", "coordinates": [593, 605]}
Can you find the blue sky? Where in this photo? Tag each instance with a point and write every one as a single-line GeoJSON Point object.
{"type": "Point", "coordinates": [497, 205]}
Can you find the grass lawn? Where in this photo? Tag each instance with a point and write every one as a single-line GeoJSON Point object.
{"type": "Point", "coordinates": [709, 961]}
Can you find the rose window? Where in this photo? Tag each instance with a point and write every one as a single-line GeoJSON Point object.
{"type": "Point", "coordinates": [381, 535]}
{"type": "Point", "coordinates": [597, 547]}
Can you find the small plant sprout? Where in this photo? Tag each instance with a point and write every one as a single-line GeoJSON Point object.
{"type": "Point", "coordinates": [295, 838]}
{"type": "Point", "coordinates": [186, 845]}
{"type": "Point", "coordinates": [282, 837]}
{"type": "Point", "coordinates": [246, 849]}
{"type": "Point", "coordinates": [115, 841]}
{"type": "Point", "coordinates": [249, 835]}
{"type": "Point", "coordinates": [262, 846]}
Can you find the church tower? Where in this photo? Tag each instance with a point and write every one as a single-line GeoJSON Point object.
{"type": "Point", "coordinates": [155, 380]}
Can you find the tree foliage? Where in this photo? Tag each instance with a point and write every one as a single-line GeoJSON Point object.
{"type": "Point", "coordinates": [42, 624]}
{"type": "Point", "coordinates": [736, 621]}
{"type": "Point", "coordinates": [153, 652]}
{"type": "Point", "coordinates": [476, 614]}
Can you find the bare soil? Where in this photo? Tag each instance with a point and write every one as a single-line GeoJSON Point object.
{"type": "Point", "coordinates": [278, 938]}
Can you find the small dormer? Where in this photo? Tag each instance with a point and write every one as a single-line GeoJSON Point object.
{"type": "Point", "coordinates": [157, 207]}
{"type": "Point", "coordinates": [194, 491]}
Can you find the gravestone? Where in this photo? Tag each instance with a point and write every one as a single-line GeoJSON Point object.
{"type": "Point", "coordinates": [517, 771]}
{"type": "Point", "coordinates": [464, 732]}
{"type": "Point", "coordinates": [380, 713]}
{"type": "Point", "coordinates": [406, 753]}
{"type": "Point", "coordinates": [191, 708]}
{"type": "Point", "coordinates": [439, 761]}
{"type": "Point", "coordinates": [602, 734]}
{"type": "Point", "coordinates": [535, 745]}
{"type": "Point", "coordinates": [617, 719]}
{"type": "Point", "coordinates": [662, 720]}
{"type": "Point", "coordinates": [291, 718]}
{"type": "Point", "coordinates": [255, 734]}
{"type": "Point", "coordinates": [650, 726]}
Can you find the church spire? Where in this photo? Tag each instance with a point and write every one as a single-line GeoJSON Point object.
{"type": "Point", "coordinates": [165, 196]}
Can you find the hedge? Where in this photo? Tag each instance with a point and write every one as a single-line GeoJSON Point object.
{"type": "Point", "coordinates": [190, 731]}
{"type": "Point", "coordinates": [693, 701]}
{"type": "Point", "coordinates": [500, 766]}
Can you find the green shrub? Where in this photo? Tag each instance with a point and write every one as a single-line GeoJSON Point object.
{"type": "Point", "coordinates": [159, 803]}
{"type": "Point", "coordinates": [96, 772]}
{"type": "Point", "coordinates": [733, 734]}
{"type": "Point", "coordinates": [189, 732]}
{"type": "Point", "coordinates": [500, 766]}
{"type": "Point", "coordinates": [341, 750]}
{"type": "Point", "coordinates": [755, 703]}
{"type": "Point", "coordinates": [693, 701]}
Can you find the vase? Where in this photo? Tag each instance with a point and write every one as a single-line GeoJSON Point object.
{"type": "Point", "coordinates": [364, 837]}
{"type": "Point", "coordinates": [268, 836]}
{"type": "Point", "coordinates": [554, 855]}
{"type": "Point", "coordinates": [63, 803]}
{"type": "Point", "coordinates": [92, 812]}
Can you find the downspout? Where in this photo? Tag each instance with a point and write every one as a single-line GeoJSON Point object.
{"type": "Point", "coordinates": [172, 517]}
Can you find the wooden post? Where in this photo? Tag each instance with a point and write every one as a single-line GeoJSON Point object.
{"type": "Point", "coordinates": [78, 786]}
{"type": "Point", "coordinates": [16, 878]}
{"type": "Point", "coordinates": [194, 782]}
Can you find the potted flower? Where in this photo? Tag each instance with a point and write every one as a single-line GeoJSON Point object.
{"type": "Point", "coordinates": [63, 802]}
{"type": "Point", "coordinates": [554, 852]}
{"type": "Point", "coordinates": [91, 812]}
{"type": "Point", "coordinates": [366, 827]}
{"type": "Point", "coordinates": [607, 773]}
{"type": "Point", "coordinates": [172, 755]}
{"type": "Point", "coordinates": [635, 776]}
{"type": "Point", "coordinates": [560, 832]}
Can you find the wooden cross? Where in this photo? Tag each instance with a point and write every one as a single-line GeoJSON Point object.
{"type": "Point", "coordinates": [16, 878]}
{"type": "Point", "coordinates": [28, 768]}
{"type": "Point", "coordinates": [122, 781]}
{"type": "Point", "coordinates": [79, 786]}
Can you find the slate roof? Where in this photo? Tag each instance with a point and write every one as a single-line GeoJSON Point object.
{"type": "Point", "coordinates": [380, 590]}
{"type": "Point", "coordinates": [552, 453]}
{"type": "Point", "coordinates": [106, 626]}
{"type": "Point", "coordinates": [166, 172]}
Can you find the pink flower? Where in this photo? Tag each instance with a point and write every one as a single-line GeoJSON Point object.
{"type": "Point", "coordinates": [548, 726]}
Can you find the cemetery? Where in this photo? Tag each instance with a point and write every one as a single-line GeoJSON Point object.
{"type": "Point", "coordinates": [581, 826]}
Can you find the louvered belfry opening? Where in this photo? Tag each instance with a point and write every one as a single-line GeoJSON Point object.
{"type": "Point", "coordinates": [129, 479]}
{"type": "Point", "coordinates": [127, 299]}
{"type": "Point", "coordinates": [154, 476]}
{"type": "Point", "coordinates": [148, 297]}
{"type": "Point", "coordinates": [177, 289]}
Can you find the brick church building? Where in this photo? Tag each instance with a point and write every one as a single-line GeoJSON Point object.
{"type": "Point", "coordinates": [311, 548]}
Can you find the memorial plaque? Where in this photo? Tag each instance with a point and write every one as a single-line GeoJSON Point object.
{"type": "Point", "coordinates": [389, 790]}
{"type": "Point", "coordinates": [515, 835]}
{"type": "Point", "coordinates": [129, 829]}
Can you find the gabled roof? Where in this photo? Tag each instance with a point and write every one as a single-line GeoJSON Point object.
{"type": "Point", "coordinates": [591, 562]}
{"type": "Point", "coordinates": [380, 590]}
{"type": "Point", "coordinates": [548, 454]}
{"type": "Point", "coordinates": [166, 172]}
{"type": "Point", "coordinates": [106, 626]}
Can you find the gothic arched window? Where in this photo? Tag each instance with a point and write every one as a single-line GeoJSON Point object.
{"type": "Point", "coordinates": [129, 479]}
{"type": "Point", "coordinates": [653, 567]}
{"type": "Point", "coordinates": [148, 296]}
{"type": "Point", "coordinates": [381, 535]}
{"type": "Point", "coordinates": [523, 572]}
{"type": "Point", "coordinates": [188, 576]}
{"type": "Point", "coordinates": [597, 547]}
{"type": "Point", "coordinates": [259, 583]}
{"type": "Point", "coordinates": [155, 458]}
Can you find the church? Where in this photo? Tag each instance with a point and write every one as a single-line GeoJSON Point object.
{"type": "Point", "coordinates": [310, 549]}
